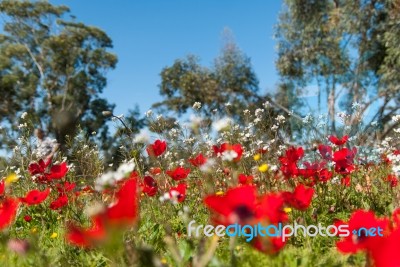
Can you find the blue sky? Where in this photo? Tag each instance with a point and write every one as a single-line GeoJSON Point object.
{"type": "Point", "coordinates": [150, 35]}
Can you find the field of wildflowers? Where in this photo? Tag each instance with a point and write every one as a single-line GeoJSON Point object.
{"type": "Point", "coordinates": [71, 211]}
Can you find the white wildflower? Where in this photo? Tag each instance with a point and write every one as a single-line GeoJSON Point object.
{"type": "Point", "coordinates": [280, 118]}
{"type": "Point", "coordinates": [207, 166]}
{"type": "Point", "coordinates": [222, 124]}
{"type": "Point", "coordinates": [355, 105]}
{"type": "Point", "coordinates": [23, 115]}
{"type": "Point", "coordinates": [259, 112]}
{"type": "Point", "coordinates": [229, 155]}
{"type": "Point", "coordinates": [149, 113]}
{"type": "Point", "coordinates": [307, 119]}
{"type": "Point", "coordinates": [142, 137]}
{"type": "Point", "coordinates": [197, 105]}
{"type": "Point", "coordinates": [396, 118]}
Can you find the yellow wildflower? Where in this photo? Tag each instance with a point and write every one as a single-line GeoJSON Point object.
{"type": "Point", "coordinates": [11, 178]}
{"type": "Point", "coordinates": [53, 235]}
{"type": "Point", "coordinates": [287, 210]}
{"type": "Point", "coordinates": [263, 167]}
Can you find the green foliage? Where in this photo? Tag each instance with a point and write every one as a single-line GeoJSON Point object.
{"type": "Point", "coordinates": [230, 79]}
{"type": "Point", "coordinates": [342, 47]}
{"type": "Point", "coordinates": [53, 69]}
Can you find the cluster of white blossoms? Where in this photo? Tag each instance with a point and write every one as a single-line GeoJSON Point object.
{"type": "Point", "coordinates": [171, 196]}
{"type": "Point", "coordinates": [148, 113]}
{"type": "Point", "coordinates": [45, 147]}
{"type": "Point", "coordinates": [308, 119]}
{"type": "Point", "coordinates": [395, 160]}
{"type": "Point", "coordinates": [222, 124]}
{"type": "Point", "coordinates": [395, 119]}
{"type": "Point", "coordinates": [110, 178]}
{"type": "Point", "coordinates": [142, 137]}
{"type": "Point", "coordinates": [197, 105]}
{"type": "Point", "coordinates": [229, 155]}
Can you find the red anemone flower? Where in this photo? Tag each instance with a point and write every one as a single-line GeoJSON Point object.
{"type": "Point", "coordinates": [155, 170]}
{"type": "Point", "coordinates": [179, 173]}
{"type": "Point", "coordinates": [66, 187]}
{"type": "Point", "coordinates": [325, 151]}
{"type": "Point", "coordinates": [57, 171]}
{"type": "Point", "coordinates": [157, 148]}
{"type": "Point", "coordinates": [178, 192]}
{"type": "Point", "coordinates": [346, 181]}
{"type": "Point", "coordinates": [149, 186]}
{"type": "Point", "coordinates": [301, 197]}
{"type": "Point", "coordinates": [60, 202]}
{"type": "Point", "coordinates": [245, 179]}
{"type": "Point", "coordinates": [225, 147]}
{"type": "Point", "coordinates": [39, 167]}
{"type": "Point", "coordinates": [198, 160]}
{"type": "Point", "coordinates": [344, 160]}
{"type": "Point", "coordinates": [35, 197]}
{"type": "Point", "coordinates": [337, 141]}
{"type": "Point", "coordinates": [289, 161]}
{"type": "Point", "coordinates": [392, 179]}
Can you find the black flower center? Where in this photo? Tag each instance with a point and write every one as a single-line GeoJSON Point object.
{"type": "Point", "coordinates": [243, 212]}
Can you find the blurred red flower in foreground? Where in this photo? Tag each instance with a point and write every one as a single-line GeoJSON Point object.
{"type": "Point", "coordinates": [8, 211]}
{"type": "Point", "coordinates": [238, 205]}
{"type": "Point", "coordinates": [241, 205]}
{"type": "Point", "coordinates": [271, 207]}
{"type": "Point", "coordinates": [122, 213]}
{"type": "Point", "coordinates": [157, 148]}
{"type": "Point", "coordinates": [35, 197]}
{"type": "Point", "coordinates": [2, 187]}
{"type": "Point", "coordinates": [87, 237]}
{"type": "Point", "coordinates": [179, 173]}
{"type": "Point", "coordinates": [358, 240]}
